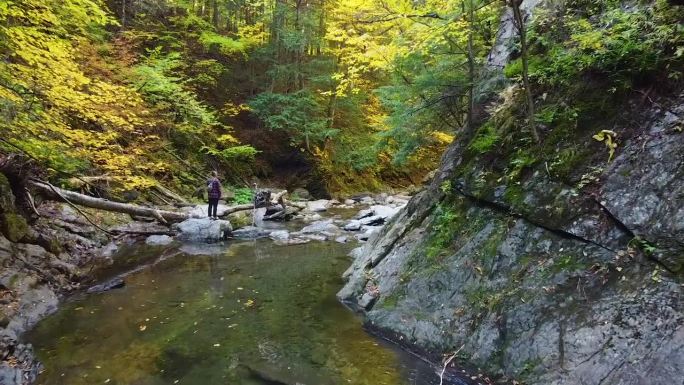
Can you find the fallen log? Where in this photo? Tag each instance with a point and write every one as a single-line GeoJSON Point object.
{"type": "Point", "coordinates": [164, 216]}
{"type": "Point", "coordinates": [56, 193]}
{"type": "Point", "coordinates": [277, 199]}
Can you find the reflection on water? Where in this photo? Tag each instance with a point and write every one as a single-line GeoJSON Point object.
{"type": "Point", "coordinates": [253, 313]}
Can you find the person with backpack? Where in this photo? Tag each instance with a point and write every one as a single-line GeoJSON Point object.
{"type": "Point", "coordinates": [214, 194]}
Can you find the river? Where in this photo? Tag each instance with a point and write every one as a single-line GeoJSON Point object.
{"type": "Point", "coordinates": [240, 313]}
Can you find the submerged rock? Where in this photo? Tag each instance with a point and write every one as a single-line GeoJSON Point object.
{"type": "Point", "coordinates": [291, 241]}
{"type": "Point", "coordinates": [203, 229]}
{"type": "Point", "coordinates": [116, 283]}
{"type": "Point", "coordinates": [251, 232]}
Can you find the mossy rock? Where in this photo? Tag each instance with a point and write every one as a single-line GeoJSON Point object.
{"type": "Point", "coordinates": [6, 195]}
{"type": "Point", "coordinates": [13, 226]}
{"type": "Point", "coordinates": [240, 219]}
{"type": "Point", "coordinates": [4, 319]}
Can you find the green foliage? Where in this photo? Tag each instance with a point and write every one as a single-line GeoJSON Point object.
{"type": "Point", "coordinates": [442, 230]}
{"type": "Point", "coordinates": [213, 42]}
{"type": "Point", "coordinates": [298, 114]}
{"type": "Point", "coordinates": [486, 139]}
{"type": "Point", "coordinates": [232, 154]}
{"type": "Point", "coordinates": [156, 79]}
{"type": "Point", "coordinates": [243, 195]}
{"type": "Point", "coordinates": [639, 42]}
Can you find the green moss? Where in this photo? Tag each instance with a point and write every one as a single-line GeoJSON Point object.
{"type": "Point", "coordinates": [6, 196]}
{"type": "Point", "coordinates": [13, 226]}
{"type": "Point", "coordinates": [515, 196]}
{"type": "Point", "coordinates": [391, 301]}
{"type": "Point", "coordinates": [446, 221]}
{"type": "Point", "coordinates": [567, 161]}
{"type": "Point", "coordinates": [567, 263]}
{"type": "Point", "coordinates": [486, 139]}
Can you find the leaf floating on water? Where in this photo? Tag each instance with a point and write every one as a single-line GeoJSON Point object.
{"type": "Point", "coordinates": [107, 381]}
{"type": "Point", "coordinates": [249, 303]}
{"type": "Point", "coordinates": [78, 308]}
{"type": "Point", "coordinates": [217, 345]}
{"type": "Point", "coordinates": [232, 326]}
{"type": "Point", "coordinates": [143, 327]}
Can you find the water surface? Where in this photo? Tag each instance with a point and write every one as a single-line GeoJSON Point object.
{"type": "Point", "coordinates": [245, 313]}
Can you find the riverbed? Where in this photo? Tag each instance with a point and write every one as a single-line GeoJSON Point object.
{"type": "Point", "coordinates": [242, 313]}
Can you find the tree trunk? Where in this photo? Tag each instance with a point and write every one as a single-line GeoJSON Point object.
{"type": "Point", "coordinates": [123, 14]}
{"type": "Point", "coordinates": [58, 194]}
{"type": "Point", "coordinates": [215, 14]}
{"type": "Point", "coordinates": [471, 64]}
{"type": "Point", "coordinates": [519, 20]}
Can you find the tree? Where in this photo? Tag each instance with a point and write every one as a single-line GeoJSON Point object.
{"type": "Point", "coordinates": [524, 54]}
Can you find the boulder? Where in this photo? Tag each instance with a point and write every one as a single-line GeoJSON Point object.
{"type": "Point", "coordinates": [158, 240]}
{"type": "Point", "coordinates": [367, 301]}
{"type": "Point", "coordinates": [300, 194]}
{"type": "Point", "coordinates": [367, 201]}
{"type": "Point", "coordinates": [342, 239]}
{"type": "Point", "coordinates": [353, 225]}
{"type": "Point", "coordinates": [321, 226]}
{"type": "Point", "coordinates": [363, 213]}
{"type": "Point", "coordinates": [318, 205]}
{"type": "Point", "coordinates": [312, 218]}
{"type": "Point", "coordinates": [385, 212]}
{"type": "Point", "coordinates": [279, 235]}
{"type": "Point", "coordinates": [375, 220]}
{"type": "Point", "coordinates": [203, 229]}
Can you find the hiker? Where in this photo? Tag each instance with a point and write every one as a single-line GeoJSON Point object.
{"type": "Point", "coordinates": [214, 194]}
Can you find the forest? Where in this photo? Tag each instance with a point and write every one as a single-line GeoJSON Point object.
{"type": "Point", "coordinates": [339, 96]}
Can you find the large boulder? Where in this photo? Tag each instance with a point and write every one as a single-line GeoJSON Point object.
{"type": "Point", "coordinates": [203, 230]}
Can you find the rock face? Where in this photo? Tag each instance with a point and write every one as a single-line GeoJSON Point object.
{"type": "Point", "coordinates": [542, 279]}
{"type": "Point", "coordinates": [203, 230]}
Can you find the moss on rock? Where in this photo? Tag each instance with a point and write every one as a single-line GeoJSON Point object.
{"type": "Point", "coordinates": [6, 196]}
{"type": "Point", "coordinates": [13, 226]}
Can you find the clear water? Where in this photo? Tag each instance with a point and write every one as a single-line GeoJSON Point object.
{"type": "Point", "coordinates": [246, 313]}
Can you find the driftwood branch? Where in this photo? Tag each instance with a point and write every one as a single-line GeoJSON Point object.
{"type": "Point", "coordinates": [56, 193]}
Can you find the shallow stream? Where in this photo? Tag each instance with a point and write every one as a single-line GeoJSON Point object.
{"type": "Point", "coordinates": [243, 313]}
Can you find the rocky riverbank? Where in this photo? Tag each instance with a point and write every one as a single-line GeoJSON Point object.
{"type": "Point", "coordinates": [61, 253]}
